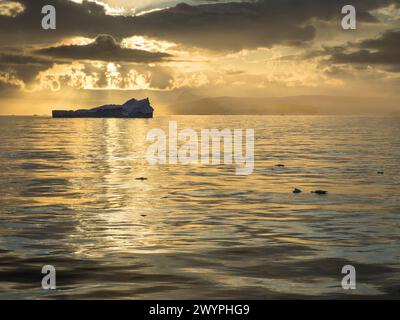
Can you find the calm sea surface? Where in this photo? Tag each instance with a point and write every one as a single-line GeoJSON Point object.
{"type": "Point", "coordinates": [70, 198]}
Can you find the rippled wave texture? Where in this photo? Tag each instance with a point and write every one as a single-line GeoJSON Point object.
{"type": "Point", "coordinates": [70, 198]}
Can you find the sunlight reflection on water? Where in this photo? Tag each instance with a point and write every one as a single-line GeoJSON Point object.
{"type": "Point", "coordinates": [69, 197]}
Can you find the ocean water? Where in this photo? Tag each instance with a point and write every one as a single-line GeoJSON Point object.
{"type": "Point", "coordinates": [70, 198]}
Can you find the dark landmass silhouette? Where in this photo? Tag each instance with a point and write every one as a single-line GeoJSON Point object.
{"type": "Point", "coordinates": [131, 109]}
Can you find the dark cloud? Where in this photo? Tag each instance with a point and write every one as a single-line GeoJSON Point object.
{"type": "Point", "coordinates": [225, 26]}
{"type": "Point", "coordinates": [73, 19]}
{"type": "Point", "coordinates": [104, 48]}
{"type": "Point", "coordinates": [234, 26]}
{"type": "Point", "coordinates": [384, 50]}
{"type": "Point", "coordinates": [218, 26]}
{"type": "Point", "coordinates": [15, 59]}
{"type": "Point", "coordinates": [24, 67]}
{"type": "Point", "coordinates": [240, 25]}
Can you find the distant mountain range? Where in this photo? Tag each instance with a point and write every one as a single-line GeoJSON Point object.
{"type": "Point", "coordinates": [293, 105]}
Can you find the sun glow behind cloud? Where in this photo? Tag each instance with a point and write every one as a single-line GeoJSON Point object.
{"type": "Point", "coordinates": [11, 8]}
{"type": "Point", "coordinates": [187, 68]}
{"type": "Point", "coordinates": [9, 78]}
{"type": "Point", "coordinates": [110, 10]}
{"type": "Point", "coordinates": [73, 41]}
{"type": "Point", "coordinates": [147, 44]}
{"type": "Point", "coordinates": [204, 47]}
{"type": "Point", "coordinates": [111, 76]}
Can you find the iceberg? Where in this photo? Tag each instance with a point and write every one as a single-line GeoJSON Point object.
{"type": "Point", "coordinates": [130, 109]}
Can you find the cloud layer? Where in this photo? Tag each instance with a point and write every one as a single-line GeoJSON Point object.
{"type": "Point", "coordinates": [384, 50]}
{"type": "Point", "coordinates": [218, 46]}
{"type": "Point", "coordinates": [103, 48]}
{"type": "Point", "coordinates": [218, 26]}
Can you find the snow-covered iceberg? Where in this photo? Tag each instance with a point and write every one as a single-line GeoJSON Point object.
{"type": "Point", "coordinates": [130, 109]}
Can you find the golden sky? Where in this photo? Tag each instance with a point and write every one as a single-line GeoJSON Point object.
{"type": "Point", "coordinates": [109, 51]}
